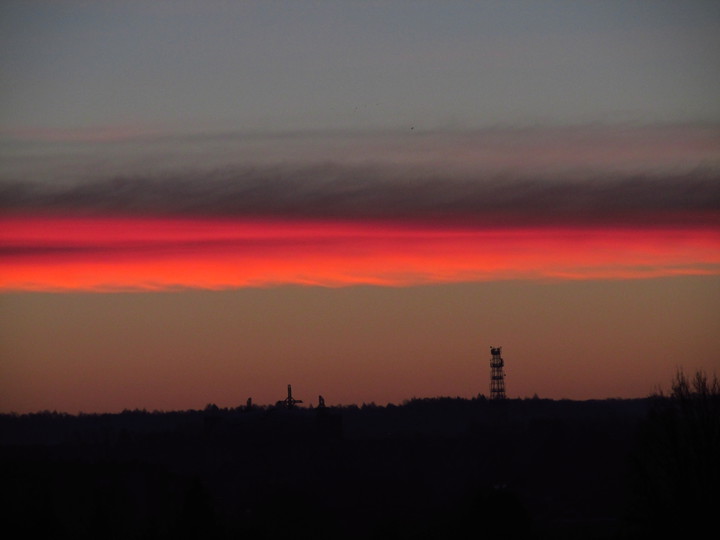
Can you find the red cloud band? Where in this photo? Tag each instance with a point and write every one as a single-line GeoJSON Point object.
{"type": "Point", "coordinates": [101, 254]}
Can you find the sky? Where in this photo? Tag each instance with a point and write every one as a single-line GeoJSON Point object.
{"type": "Point", "coordinates": [205, 202]}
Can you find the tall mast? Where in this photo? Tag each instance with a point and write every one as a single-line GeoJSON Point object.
{"type": "Point", "coordinates": [497, 374]}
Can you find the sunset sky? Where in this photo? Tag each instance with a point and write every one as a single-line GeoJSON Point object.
{"type": "Point", "coordinates": [205, 202]}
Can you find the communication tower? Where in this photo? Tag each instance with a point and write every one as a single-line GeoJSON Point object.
{"type": "Point", "coordinates": [497, 374]}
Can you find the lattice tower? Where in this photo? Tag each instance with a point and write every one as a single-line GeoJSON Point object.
{"type": "Point", "coordinates": [497, 374]}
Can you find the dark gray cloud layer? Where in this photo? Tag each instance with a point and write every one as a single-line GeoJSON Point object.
{"type": "Point", "coordinates": [654, 175]}
{"type": "Point", "coordinates": [333, 191]}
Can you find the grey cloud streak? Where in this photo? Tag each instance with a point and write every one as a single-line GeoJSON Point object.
{"type": "Point", "coordinates": [384, 192]}
{"type": "Point", "coordinates": [651, 175]}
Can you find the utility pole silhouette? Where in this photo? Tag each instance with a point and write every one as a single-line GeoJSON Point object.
{"type": "Point", "coordinates": [290, 401]}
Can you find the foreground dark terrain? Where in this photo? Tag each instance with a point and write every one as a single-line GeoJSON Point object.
{"type": "Point", "coordinates": [431, 468]}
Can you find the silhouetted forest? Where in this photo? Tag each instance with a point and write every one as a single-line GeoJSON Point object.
{"type": "Point", "coordinates": [429, 468]}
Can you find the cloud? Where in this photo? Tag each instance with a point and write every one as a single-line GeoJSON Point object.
{"type": "Point", "coordinates": [239, 211]}
{"type": "Point", "coordinates": [138, 254]}
{"type": "Point", "coordinates": [591, 175]}
{"type": "Point", "coordinates": [335, 191]}
{"type": "Point", "coordinates": [99, 134]}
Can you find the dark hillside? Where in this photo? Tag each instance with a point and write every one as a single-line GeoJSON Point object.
{"type": "Point", "coordinates": [429, 468]}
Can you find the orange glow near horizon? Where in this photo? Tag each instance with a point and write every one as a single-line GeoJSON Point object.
{"type": "Point", "coordinates": [126, 254]}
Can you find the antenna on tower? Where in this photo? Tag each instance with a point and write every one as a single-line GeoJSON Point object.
{"type": "Point", "coordinates": [497, 374]}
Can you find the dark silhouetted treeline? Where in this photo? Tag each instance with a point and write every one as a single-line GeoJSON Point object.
{"type": "Point", "coordinates": [430, 468]}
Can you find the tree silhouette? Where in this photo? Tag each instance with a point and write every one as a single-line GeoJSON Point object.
{"type": "Point", "coordinates": [677, 466]}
